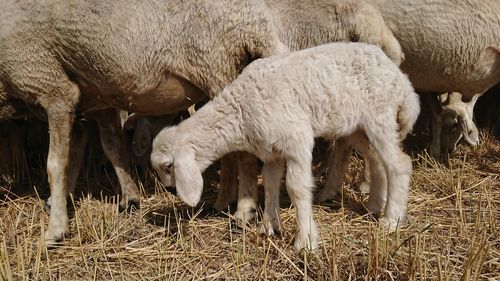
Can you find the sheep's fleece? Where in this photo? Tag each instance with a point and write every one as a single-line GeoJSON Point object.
{"type": "Point", "coordinates": [276, 108]}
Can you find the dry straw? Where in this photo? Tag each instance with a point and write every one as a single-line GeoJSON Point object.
{"type": "Point", "coordinates": [453, 235]}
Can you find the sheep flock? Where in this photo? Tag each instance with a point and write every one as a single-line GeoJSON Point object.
{"type": "Point", "coordinates": [250, 139]}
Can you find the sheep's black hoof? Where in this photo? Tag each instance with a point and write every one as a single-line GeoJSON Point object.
{"type": "Point", "coordinates": [46, 206]}
{"type": "Point", "coordinates": [235, 227]}
{"type": "Point", "coordinates": [129, 206]}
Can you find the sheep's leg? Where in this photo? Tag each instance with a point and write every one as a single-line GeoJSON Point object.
{"type": "Point", "coordinates": [398, 168]}
{"type": "Point", "coordinates": [338, 163]}
{"type": "Point", "coordinates": [60, 125]}
{"type": "Point", "coordinates": [79, 139]}
{"type": "Point", "coordinates": [272, 172]}
{"type": "Point", "coordinates": [247, 187]}
{"type": "Point", "coordinates": [436, 126]}
{"type": "Point", "coordinates": [377, 186]}
{"type": "Point", "coordinates": [112, 142]}
{"type": "Point", "coordinates": [228, 182]}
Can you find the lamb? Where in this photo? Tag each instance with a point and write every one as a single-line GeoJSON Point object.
{"type": "Point", "coordinates": [441, 54]}
{"type": "Point", "coordinates": [300, 24]}
{"type": "Point", "coordinates": [94, 57]}
{"type": "Point", "coordinates": [276, 107]}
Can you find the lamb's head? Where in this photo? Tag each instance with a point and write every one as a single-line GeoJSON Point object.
{"type": "Point", "coordinates": [176, 166]}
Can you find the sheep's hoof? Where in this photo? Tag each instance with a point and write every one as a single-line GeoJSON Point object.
{"type": "Point", "coordinates": [245, 215]}
{"type": "Point", "coordinates": [235, 227]}
{"type": "Point", "coordinates": [47, 205]}
{"type": "Point", "coordinates": [129, 205]}
{"type": "Point", "coordinates": [364, 187]}
{"type": "Point", "coordinates": [55, 236]}
{"type": "Point", "coordinates": [270, 228]}
{"type": "Point", "coordinates": [326, 194]}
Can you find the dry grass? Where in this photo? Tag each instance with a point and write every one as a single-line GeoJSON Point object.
{"type": "Point", "coordinates": [454, 234]}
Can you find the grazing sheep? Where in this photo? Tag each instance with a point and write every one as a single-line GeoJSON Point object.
{"type": "Point", "coordinates": [275, 109]}
{"type": "Point", "coordinates": [449, 46]}
{"type": "Point", "coordinates": [300, 24]}
{"type": "Point", "coordinates": [444, 54]}
{"type": "Point", "coordinates": [95, 57]}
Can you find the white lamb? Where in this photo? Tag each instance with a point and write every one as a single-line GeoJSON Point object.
{"type": "Point", "coordinates": [276, 108]}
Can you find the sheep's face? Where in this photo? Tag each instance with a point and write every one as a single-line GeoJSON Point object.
{"type": "Point", "coordinates": [176, 166]}
{"type": "Point", "coordinates": [457, 124]}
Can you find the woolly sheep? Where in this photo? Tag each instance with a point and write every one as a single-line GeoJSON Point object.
{"type": "Point", "coordinates": [276, 107]}
{"type": "Point", "coordinates": [445, 55]}
{"type": "Point", "coordinates": [85, 56]}
{"type": "Point", "coordinates": [449, 47]}
{"type": "Point", "coordinates": [300, 24]}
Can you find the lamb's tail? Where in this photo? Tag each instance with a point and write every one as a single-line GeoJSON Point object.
{"type": "Point", "coordinates": [409, 109]}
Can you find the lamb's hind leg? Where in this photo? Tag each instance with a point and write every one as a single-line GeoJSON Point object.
{"type": "Point", "coordinates": [374, 172]}
{"type": "Point", "coordinates": [398, 168]}
{"type": "Point", "coordinates": [112, 142]}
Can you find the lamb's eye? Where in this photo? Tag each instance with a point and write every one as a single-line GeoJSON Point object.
{"type": "Point", "coordinates": [169, 167]}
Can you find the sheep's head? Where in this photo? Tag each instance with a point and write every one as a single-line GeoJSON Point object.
{"type": "Point", "coordinates": [455, 125]}
{"type": "Point", "coordinates": [176, 166]}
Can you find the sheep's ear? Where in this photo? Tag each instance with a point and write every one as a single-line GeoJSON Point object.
{"type": "Point", "coordinates": [141, 140]}
{"type": "Point", "coordinates": [188, 179]}
{"type": "Point", "coordinates": [469, 131]}
{"type": "Point", "coordinates": [489, 60]}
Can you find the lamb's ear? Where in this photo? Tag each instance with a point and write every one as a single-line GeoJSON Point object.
{"type": "Point", "coordinates": [188, 178]}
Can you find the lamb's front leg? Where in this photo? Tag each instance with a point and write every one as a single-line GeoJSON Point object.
{"type": "Point", "coordinates": [112, 142]}
{"type": "Point", "coordinates": [247, 187]}
{"type": "Point", "coordinates": [272, 172]}
{"type": "Point", "coordinates": [299, 184]}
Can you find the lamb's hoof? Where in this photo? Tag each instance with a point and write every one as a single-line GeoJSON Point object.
{"type": "Point", "coordinates": [391, 225]}
{"type": "Point", "coordinates": [129, 205]}
{"type": "Point", "coordinates": [55, 236]}
{"type": "Point", "coordinates": [326, 194]}
{"type": "Point", "coordinates": [364, 188]}
{"type": "Point", "coordinates": [306, 244]}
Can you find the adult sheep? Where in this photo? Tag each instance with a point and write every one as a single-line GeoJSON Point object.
{"type": "Point", "coordinates": [449, 46]}
{"type": "Point", "coordinates": [94, 56]}
{"type": "Point", "coordinates": [275, 109]}
{"type": "Point", "coordinates": [300, 24]}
